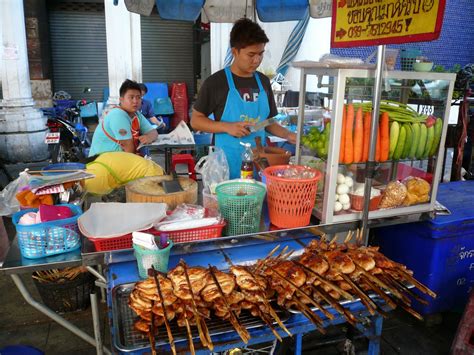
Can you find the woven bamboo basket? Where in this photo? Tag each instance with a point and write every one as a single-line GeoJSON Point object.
{"type": "Point", "coordinates": [149, 189]}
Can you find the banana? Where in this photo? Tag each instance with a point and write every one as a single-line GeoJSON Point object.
{"type": "Point", "coordinates": [394, 133]}
{"type": "Point", "coordinates": [429, 141]}
{"type": "Point", "coordinates": [416, 138]}
{"type": "Point", "coordinates": [401, 143]}
{"type": "Point", "coordinates": [422, 141]}
{"type": "Point", "coordinates": [408, 141]}
{"type": "Point", "coordinates": [438, 129]}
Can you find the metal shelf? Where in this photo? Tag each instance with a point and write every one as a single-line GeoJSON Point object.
{"type": "Point", "coordinates": [338, 79]}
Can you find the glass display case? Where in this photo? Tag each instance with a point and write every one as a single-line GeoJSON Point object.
{"type": "Point", "coordinates": [414, 113]}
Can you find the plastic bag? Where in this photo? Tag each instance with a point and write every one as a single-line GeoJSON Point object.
{"type": "Point", "coordinates": [213, 168]}
{"type": "Point", "coordinates": [8, 202]}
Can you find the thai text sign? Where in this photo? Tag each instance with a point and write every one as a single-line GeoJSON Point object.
{"type": "Point", "coordinates": [372, 22]}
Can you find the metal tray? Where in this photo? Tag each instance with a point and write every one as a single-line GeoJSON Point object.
{"type": "Point", "coordinates": [127, 339]}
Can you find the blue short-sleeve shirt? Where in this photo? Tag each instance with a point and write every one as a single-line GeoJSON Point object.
{"type": "Point", "coordinates": [118, 124]}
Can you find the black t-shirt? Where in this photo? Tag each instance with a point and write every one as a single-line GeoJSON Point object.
{"type": "Point", "coordinates": [213, 93]}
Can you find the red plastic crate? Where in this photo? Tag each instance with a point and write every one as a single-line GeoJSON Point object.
{"type": "Point", "coordinates": [194, 234]}
{"type": "Point", "coordinates": [117, 243]}
{"type": "Point", "coordinates": [181, 236]}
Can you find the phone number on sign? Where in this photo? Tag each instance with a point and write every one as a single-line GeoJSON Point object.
{"type": "Point", "coordinates": [375, 30]}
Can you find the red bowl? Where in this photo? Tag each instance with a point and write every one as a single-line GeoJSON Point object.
{"type": "Point", "coordinates": [357, 202]}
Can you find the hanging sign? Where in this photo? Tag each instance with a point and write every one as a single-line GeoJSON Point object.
{"type": "Point", "coordinates": [372, 22]}
{"type": "Point", "coordinates": [320, 8]}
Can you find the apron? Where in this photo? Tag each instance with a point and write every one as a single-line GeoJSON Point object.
{"type": "Point", "coordinates": [236, 110]}
{"type": "Point", "coordinates": [135, 128]}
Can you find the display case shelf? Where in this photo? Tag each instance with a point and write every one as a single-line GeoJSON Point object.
{"type": "Point", "coordinates": [427, 93]}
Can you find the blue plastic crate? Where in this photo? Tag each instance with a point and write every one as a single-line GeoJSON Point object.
{"type": "Point", "coordinates": [89, 110]}
{"type": "Point", "coordinates": [441, 251]}
{"type": "Point", "coordinates": [48, 238]}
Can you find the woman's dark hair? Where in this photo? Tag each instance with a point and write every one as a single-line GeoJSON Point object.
{"type": "Point", "coordinates": [128, 85]}
{"type": "Point", "coordinates": [246, 33]}
{"type": "Point", "coordinates": [143, 88]}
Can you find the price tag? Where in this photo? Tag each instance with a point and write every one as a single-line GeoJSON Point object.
{"type": "Point", "coordinates": [372, 22]}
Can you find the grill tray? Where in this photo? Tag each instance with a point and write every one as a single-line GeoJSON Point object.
{"type": "Point", "coordinates": [127, 339]}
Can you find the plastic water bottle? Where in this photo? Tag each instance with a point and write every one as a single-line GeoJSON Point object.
{"type": "Point", "coordinates": [246, 168]}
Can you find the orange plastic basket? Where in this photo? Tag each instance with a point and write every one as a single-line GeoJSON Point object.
{"type": "Point", "coordinates": [290, 201]}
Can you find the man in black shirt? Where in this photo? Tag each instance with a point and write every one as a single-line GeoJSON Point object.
{"type": "Point", "coordinates": [239, 97]}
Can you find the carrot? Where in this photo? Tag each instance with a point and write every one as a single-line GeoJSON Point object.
{"type": "Point", "coordinates": [343, 135]}
{"type": "Point", "coordinates": [367, 119]}
{"type": "Point", "coordinates": [384, 136]}
{"type": "Point", "coordinates": [358, 136]}
{"type": "Point", "coordinates": [348, 145]}
{"type": "Point", "coordinates": [377, 146]}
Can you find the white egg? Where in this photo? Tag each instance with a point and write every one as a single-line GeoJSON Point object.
{"type": "Point", "coordinates": [342, 189]}
{"type": "Point", "coordinates": [336, 198]}
{"type": "Point", "coordinates": [340, 179]}
{"type": "Point", "coordinates": [337, 206]}
{"type": "Point", "coordinates": [346, 206]}
{"type": "Point", "coordinates": [344, 199]}
{"type": "Point", "coordinates": [348, 181]}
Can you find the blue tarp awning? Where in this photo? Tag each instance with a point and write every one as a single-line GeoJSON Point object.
{"type": "Point", "coordinates": [227, 11]}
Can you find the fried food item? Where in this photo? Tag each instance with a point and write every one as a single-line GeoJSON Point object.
{"type": "Point", "coordinates": [339, 261]}
{"type": "Point", "coordinates": [394, 195]}
{"type": "Point", "coordinates": [227, 283]}
{"type": "Point", "coordinates": [198, 278]}
{"type": "Point", "coordinates": [246, 280]}
{"type": "Point", "coordinates": [417, 191]}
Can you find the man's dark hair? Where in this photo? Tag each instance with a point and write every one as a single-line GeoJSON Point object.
{"type": "Point", "coordinates": [128, 85]}
{"type": "Point", "coordinates": [143, 88]}
{"type": "Point", "coordinates": [246, 33]}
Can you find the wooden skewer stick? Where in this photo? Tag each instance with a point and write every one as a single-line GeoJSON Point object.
{"type": "Point", "coordinates": [308, 313]}
{"type": "Point", "coordinates": [366, 300]}
{"type": "Point", "coordinates": [296, 288]}
{"type": "Point", "coordinates": [269, 255]}
{"type": "Point", "coordinates": [379, 292]}
{"type": "Point", "coordinates": [151, 333]}
{"type": "Point", "coordinates": [202, 328]}
{"type": "Point", "coordinates": [333, 240]}
{"type": "Point", "coordinates": [415, 282]}
{"type": "Point", "coordinates": [270, 308]}
{"type": "Point", "coordinates": [243, 333]}
{"type": "Point", "coordinates": [267, 304]}
{"type": "Point", "coordinates": [390, 281]}
{"type": "Point", "coordinates": [348, 236]}
{"type": "Point", "coordinates": [269, 324]}
{"type": "Point", "coordinates": [190, 336]}
{"type": "Point", "coordinates": [271, 261]}
{"type": "Point", "coordinates": [351, 319]}
{"type": "Point", "coordinates": [165, 313]}
{"type": "Point", "coordinates": [402, 288]}
{"type": "Point", "coordinates": [377, 281]}
{"type": "Point", "coordinates": [328, 283]}
{"type": "Point", "coordinates": [405, 305]}
{"type": "Point", "coordinates": [359, 237]}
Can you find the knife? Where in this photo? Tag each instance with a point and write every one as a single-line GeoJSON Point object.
{"type": "Point", "coordinates": [261, 125]}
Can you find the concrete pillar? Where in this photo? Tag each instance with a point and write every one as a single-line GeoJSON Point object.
{"type": "Point", "coordinates": [124, 48]}
{"type": "Point", "coordinates": [22, 127]}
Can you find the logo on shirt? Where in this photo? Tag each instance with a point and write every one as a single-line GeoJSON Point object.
{"type": "Point", "coordinates": [123, 132]}
{"type": "Point", "coordinates": [246, 118]}
{"type": "Point", "coordinates": [249, 94]}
